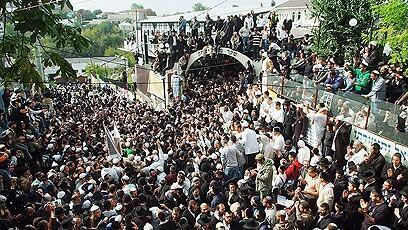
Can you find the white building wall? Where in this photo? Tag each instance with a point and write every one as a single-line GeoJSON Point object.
{"type": "Point", "coordinates": [301, 16]}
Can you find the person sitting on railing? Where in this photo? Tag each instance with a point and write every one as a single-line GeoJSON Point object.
{"type": "Point", "coordinates": [333, 82]}
{"type": "Point", "coordinates": [363, 81]}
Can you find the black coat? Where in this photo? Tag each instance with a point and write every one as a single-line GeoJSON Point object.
{"type": "Point", "coordinates": [322, 223]}
{"type": "Point", "coordinates": [351, 208]}
{"type": "Point", "coordinates": [403, 222]}
{"type": "Point", "coordinates": [300, 127]}
{"type": "Point", "coordinates": [191, 219]}
{"type": "Point", "coordinates": [289, 119]}
{"type": "Point", "coordinates": [401, 170]}
{"type": "Point", "coordinates": [340, 219]}
{"type": "Point", "coordinates": [341, 141]}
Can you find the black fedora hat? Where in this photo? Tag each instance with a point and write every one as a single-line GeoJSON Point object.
{"type": "Point", "coordinates": [204, 219]}
{"type": "Point", "coordinates": [324, 162]}
{"type": "Point", "coordinates": [232, 181]}
{"type": "Point", "coordinates": [250, 223]}
{"type": "Point", "coordinates": [366, 174]}
{"type": "Point", "coordinates": [404, 192]}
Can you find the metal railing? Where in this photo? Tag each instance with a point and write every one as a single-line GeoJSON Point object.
{"type": "Point", "coordinates": [379, 118]}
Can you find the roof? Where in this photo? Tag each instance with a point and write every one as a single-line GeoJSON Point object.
{"type": "Point", "coordinates": [223, 12]}
{"type": "Point", "coordinates": [124, 23]}
{"type": "Point", "coordinates": [294, 3]}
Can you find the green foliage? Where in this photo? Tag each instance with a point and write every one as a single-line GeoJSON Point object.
{"type": "Point", "coordinates": [98, 70]}
{"type": "Point", "coordinates": [110, 52]}
{"type": "Point", "coordinates": [103, 36]}
{"type": "Point", "coordinates": [199, 7]}
{"type": "Point", "coordinates": [96, 12]}
{"type": "Point", "coordinates": [393, 28]}
{"type": "Point", "coordinates": [136, 6]}
{"type": "Point", "coordinates": [336, 36]}
{"type": "Point", "coordinates": [30, 24]}
{"type": "Point", "coordinates": [86, 15]}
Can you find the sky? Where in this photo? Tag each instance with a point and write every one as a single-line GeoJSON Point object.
{"type": "Point", "coordinates": [161, 6]}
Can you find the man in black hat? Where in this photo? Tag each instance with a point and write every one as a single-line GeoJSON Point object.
{"type": "Point", "coordinates": [289, 119]}
{"type": "Point", "coordinates": [173, 46]}
{"type": "Point", "coordinates": [370, 182]}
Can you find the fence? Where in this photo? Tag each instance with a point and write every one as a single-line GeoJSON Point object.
{"type": "Point", "coordinates": [378, 118]}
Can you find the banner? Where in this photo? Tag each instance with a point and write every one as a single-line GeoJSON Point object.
{"type": "Point", "coordinates": [110, 142]}
{"type": "Point", "coordinates": [388, 148]}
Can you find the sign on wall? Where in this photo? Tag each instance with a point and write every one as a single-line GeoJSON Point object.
{"type": "Point", "coordinates": [388, 148]}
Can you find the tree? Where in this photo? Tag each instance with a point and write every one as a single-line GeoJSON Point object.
{"type": "Point", "coordinates": [199, 7]}
{"type": "Point", "coordinates": [393, 28]}
{"type": "Point", "coordinates": [102, 37]}
{"type": "Point", "coordinates": [150, 12]}
{"type": "Point", "coordinates": [110, 52]}
{"type": "Point", "coordinates": [335, 35]}
{"type": "Point", "coordinates": [136, 6]}
{"type": "Point", "coordinates": [86, 15]}
{"type": "Point", "coordinates": [33, 20]}
{"type": "Point", "coordinates": [97, 12]}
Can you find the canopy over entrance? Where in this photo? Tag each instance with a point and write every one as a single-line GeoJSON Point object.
{"type": "Point", "coordinates": [241, 58]}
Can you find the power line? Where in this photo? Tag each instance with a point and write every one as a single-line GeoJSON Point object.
{"type": "Point", "coordinates": [46, 3]}
{"type": "Point", "coordinates": [139, 67]}
{"type": "Point", "coordinates": [211, 8]}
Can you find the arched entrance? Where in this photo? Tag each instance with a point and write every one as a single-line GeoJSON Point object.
{"type": "Point", "coordinates": [225, 51]}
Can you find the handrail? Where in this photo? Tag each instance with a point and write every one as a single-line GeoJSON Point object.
{"type": "Point", "coordinates": [381, 118]}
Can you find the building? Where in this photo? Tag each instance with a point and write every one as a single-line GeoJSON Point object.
{"type": "Point", "coordinates": [297, 10]}
{"type": "Point", "coordinates": [126, 27]}
{"type": "Point", "coordinates": [79, 64]}
{"type": "Point", "coordinates": [127, 15]}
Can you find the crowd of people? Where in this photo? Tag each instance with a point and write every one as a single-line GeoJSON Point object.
{"type": "Point", "coordinates": [220, 157]}
{"type": "Point", "coordinates": [263, 37]}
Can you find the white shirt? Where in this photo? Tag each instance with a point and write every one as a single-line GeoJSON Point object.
{"type": "Point", "coordinates": [314, 160]}
{"type": "Point", "coordinates": [227, 116]}
{"type": "Point", "coordinates": [279, 181]}
{"type": "Point", "coordinates": [358, 157]}
{"type": "Point", "coordinates": [279, 143]}
{"type": "Point", "coordinates": [250, 22]}
{"type": "Point", "coordinates": [250, 142]}
{"type": "Point", "coordinates": [276, 115]}
{"type": "Point", "coordinates": [319, 121]}
{"type": "Point", "coordinates": [264, 109]}
{"type": "Point", "coordinates": [303, 155]}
